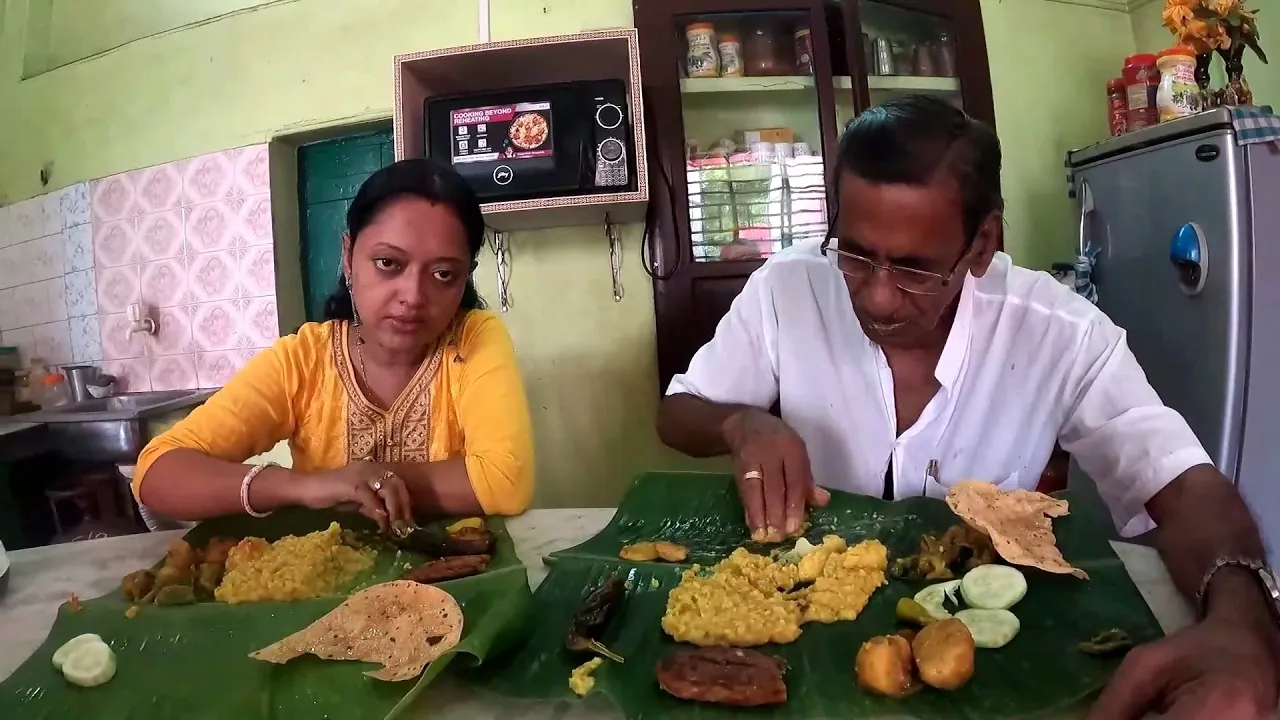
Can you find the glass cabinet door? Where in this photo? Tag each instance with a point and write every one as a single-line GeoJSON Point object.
{"type": "Point", "coordinates": [750, 105]}
{"type": "Point", "coordinates": [904, 51]}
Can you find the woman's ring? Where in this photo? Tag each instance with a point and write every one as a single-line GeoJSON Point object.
{"type": "Point", "coordinates": [753, 475]}
{"type": "Point", "coordinates": [376, 485]}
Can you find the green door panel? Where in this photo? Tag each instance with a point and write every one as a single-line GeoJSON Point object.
{"type": "Point", "coordinates": [329, 175]}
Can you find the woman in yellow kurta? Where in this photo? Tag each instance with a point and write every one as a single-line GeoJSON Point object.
{"type": "Point", "coordinates": [407, 399]}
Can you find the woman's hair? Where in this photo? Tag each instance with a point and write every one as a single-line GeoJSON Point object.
{"type": "Point", "coordinates": [417, 177]}
{"type": "Point", "coordinates": [909, 140]}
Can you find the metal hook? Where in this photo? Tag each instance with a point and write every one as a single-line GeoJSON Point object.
{"type": "Point", "coordinates": [502, 257]}
{"type": "Point", "coordinates": [614, 235]}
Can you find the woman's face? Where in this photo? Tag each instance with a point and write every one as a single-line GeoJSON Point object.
{"type": "Point", "coordinates": [408, 270]}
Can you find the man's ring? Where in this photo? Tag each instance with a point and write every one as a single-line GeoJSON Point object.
{"type": "Point", "coordinates": [752, 475]}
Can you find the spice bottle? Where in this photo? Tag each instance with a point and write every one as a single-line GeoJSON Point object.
{"type": "Point", "coordinates": [730, 48]}
{"type": "Point", "coordinates": [1179, 95]}
{"type": "Point", "coordinates": [1142, 81]}
{"type": "Point", "coordinates": [1117, 105]}
{"type": "Point", "coordinates": [804, 52]}
{"type": "Point", "coordinates": [703, 60]}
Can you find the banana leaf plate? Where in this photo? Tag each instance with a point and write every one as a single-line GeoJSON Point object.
{"type": "Point", "coordinates": [1041, 673]}
{"type": "Point", "coordinates": [193, 661]}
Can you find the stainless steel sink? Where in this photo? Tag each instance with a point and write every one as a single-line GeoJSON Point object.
{"type": "Point", "coordinates": [112, 429]}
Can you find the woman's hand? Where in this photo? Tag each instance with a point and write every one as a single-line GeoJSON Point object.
{"type": "Point", "coordinates": [771, 465]}
{"type": "Point", "coordinates": [378, 493]}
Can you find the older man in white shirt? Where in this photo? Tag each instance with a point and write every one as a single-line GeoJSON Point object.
{"type": "Point", "coordinates": [906, 354]}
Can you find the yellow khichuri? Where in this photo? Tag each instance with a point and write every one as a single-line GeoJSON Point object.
{"type": "Point", "coordinates": [749, 599]}
{"type": "Point", "coordinates": [292, 568]}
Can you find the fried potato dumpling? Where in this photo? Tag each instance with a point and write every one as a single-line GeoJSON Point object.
{"type": "Point", "coordinates": [944, 653]}
{"type": "Point", "coordinates": [655, 550]}
{"type": "Point", "coordinates": [884, 666]}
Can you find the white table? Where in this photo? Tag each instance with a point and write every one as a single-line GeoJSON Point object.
{"type": "Point", "coordinates": [43, 578]}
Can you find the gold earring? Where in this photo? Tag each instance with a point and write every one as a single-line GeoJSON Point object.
{"type": "Point", "coordinates": [355, 314]}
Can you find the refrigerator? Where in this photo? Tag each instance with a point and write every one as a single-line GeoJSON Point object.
{"type": "Point", "coordinates": [1185, 221]}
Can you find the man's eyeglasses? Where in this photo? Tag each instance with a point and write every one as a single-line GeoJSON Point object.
{"type": "Point", "coordinates": [916, 282]}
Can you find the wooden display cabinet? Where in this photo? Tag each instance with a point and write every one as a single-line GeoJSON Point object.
{"type": "Point", "coordinates": [724, 197]}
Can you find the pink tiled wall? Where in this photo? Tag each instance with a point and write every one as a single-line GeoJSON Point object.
{"type": "Point", "coordinates": [190, 240]}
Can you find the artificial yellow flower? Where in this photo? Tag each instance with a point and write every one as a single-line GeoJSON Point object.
{"type": "Point", "coordinates": [1175, 16]}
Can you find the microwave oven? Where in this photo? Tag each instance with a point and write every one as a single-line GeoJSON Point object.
{"type": "Point", "coordinates": [536, 142]}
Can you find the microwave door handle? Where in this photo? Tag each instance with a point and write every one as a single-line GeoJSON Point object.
{"type": "Point", "coordinates": [1086, 207]}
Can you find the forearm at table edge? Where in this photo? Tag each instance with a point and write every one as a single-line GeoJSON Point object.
{"type": "Point", "coordinates": [1201, 518]}
{"type": "Point", "coordinates": [694, 426]}
{"type": "Point", "coordinates": [502, 486]}
{"type": "Point", "coordinates": [185, 484]}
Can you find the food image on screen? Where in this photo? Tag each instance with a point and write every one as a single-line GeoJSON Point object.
{"type": "Point", "coordinates": [528, 131]}
{"type": "Point", "coordinates": [501, 133]}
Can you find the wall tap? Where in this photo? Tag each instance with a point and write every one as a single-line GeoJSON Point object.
{"type": "Point", "coordinates": [139, 321]}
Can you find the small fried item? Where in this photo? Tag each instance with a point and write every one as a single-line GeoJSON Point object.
{"type": "Point", "coordinates": [727, 676]}
{"type": "Point", "coordinates": [884, 666]}
{"type": "Point", "coordinates": [132, 612]}
{"type": "Point", "coordinates": [217, 550]}
{"type": "Point", "coordinates": [207, 579]}
{"type": "Point", "coordinates": [175, 595]}
{"type": "Point", "coordinates": [137, 584]}
{"type": "Point", "coordinates": [592, 620]}
{"type": "Point", "coordinates": [639, 552]}
{"type": "Point", "coordinates": [460, 538]}
{"type": "Point", "coordinates": [944, 653]}
{"type": "Point", "coordinates": [655, 550]}
{"type": "Point", "coordinates": [581, 680]}
{"type": "Point", "coordinates": [450, 568]}
{"type": "Point", "coordinates": [1111, 642]}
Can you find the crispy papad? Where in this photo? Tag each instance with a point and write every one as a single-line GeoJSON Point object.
{"type": "Point", "coordinates": [402, 625]}
{"type": "Point", "coordinates": [1018, 522]}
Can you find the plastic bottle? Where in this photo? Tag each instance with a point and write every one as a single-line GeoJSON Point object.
{"type": "Point", "coordinates": [54, 390]}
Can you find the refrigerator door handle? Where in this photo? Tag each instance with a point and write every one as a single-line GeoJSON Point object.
{"type": "Point", "coordinates": [1086, 207]}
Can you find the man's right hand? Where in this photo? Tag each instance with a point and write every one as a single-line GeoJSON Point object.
{"type": "Point", "coordinates": [771, 465]}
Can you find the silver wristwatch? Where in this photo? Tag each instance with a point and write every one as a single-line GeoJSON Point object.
{"type": "Point", "coordinates": [1266, 578]}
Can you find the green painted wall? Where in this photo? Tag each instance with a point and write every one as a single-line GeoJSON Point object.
{"type": "Point", "coordinates": [285, 67]}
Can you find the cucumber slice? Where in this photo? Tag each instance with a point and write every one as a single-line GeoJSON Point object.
{"type": "Point", "coordinates": [935, 597]}
{"type": "Point", "coordinates": [89, 665]}
{"type": "Point", "coordinates": [61, 654]}
{"type": "Point", "coordinates": [994, 587]}
{"type": "Point", "coordinates": [990, 628]}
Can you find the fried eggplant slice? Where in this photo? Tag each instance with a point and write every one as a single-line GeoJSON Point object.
{"type": "Point", "coordinates": [592, 619]}
{"type": "Point", "coordinates": [723, 675]}
{"type": "Point", "coordinates": [457, 541]}
{"type": "Point", "coordinates": [450, 568]}
{"type": "Point", "coordinates": [137, 584]}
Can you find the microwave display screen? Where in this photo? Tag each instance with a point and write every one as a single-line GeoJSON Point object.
{"type": "Point", "coordinates": [518, 131]}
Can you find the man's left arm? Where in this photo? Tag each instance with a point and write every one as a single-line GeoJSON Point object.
{"type": "Point", "coordinates": [1201, 519]}
{"type": "Point", "coordinates": [1151, 469]}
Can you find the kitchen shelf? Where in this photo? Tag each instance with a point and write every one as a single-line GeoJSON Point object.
{"type": "Point", "coordinates": [595, 55]}
{"type": "Point", "coordinates": [791, 83]}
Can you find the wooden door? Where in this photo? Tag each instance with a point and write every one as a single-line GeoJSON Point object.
{"type": "Point", "coordinates": [723, 201]}
{"type": "Point", "coordinates": [329, 174]}
{"type": "Point", "coordinates": [699, 262]}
